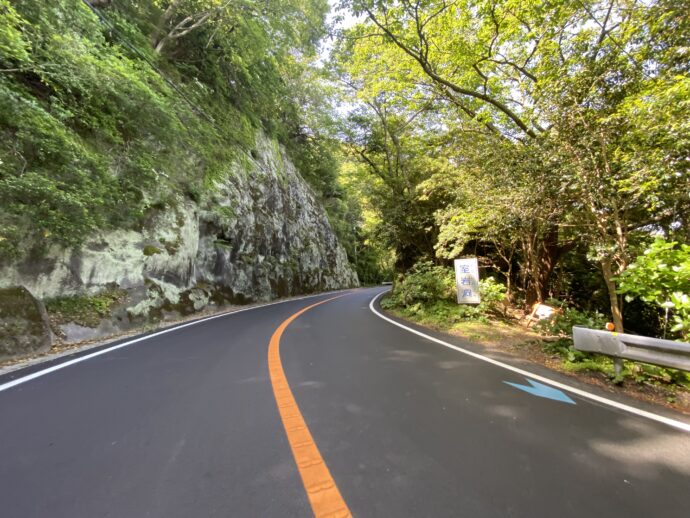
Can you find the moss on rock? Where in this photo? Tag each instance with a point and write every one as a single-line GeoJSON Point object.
{"type": "Point", "coordinates": [24, 326]}
{"type": "Point", "coordinates": [85, 310]}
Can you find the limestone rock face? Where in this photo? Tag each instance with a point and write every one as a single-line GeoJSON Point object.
{"type": "Point", "coordinates": [259, 234]}
{"type": "Point", "coordinates": [266, 235]}
{"type": "Point", "coordinates": [24, 326]}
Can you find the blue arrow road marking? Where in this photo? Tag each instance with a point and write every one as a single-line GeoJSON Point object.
{"type": "Point", "coordinates": [540, 390]}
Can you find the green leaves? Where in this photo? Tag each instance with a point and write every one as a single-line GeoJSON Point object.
{"type": "Point", "coordinates": [548, 126]}
{"type": "Point", "coordinates": [14, 48]}
{"type": "Point", "coordinates": [94, 120]}
{"type": "Point", "coordinates": [663, 268]}
{"type": "Point", "coordinates": [424, 283]}
{"type": "Point", "coordinates": [430, 290]}
{"type": "Point", "coordinates": [661, 275]}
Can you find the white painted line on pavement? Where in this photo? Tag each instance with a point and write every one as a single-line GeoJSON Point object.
{"type": "Point", "coordinates": [59, 366]}
{"type": "Point", "coordinates": [680, 425]}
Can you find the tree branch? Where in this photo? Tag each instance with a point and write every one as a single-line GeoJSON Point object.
{"type": "Point", "coordinates": [429, 71]}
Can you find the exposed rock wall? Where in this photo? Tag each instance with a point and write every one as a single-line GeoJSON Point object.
{"type": "Point", "coordinates": [24, 326]}
{"type": "Point", "coordinates": [260, 234]}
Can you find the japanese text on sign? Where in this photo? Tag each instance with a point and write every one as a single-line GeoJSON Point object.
{"type": "Point", "coordinates": [467, 280]}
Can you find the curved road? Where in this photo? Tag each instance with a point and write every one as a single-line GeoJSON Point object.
{"type": "Point", "coordinates": [197, 422]}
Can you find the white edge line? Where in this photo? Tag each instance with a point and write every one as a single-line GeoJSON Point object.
{"type": "Point", "coordinates": [59, 366]}
{"type": "Point", "coordinates": [680, 425]}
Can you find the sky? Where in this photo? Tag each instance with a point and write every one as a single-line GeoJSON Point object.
{"type": "Point", "coordinates": [347, 20]}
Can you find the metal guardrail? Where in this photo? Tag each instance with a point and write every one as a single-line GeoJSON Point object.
{"type": "Point", "coordinates": [656, 351]}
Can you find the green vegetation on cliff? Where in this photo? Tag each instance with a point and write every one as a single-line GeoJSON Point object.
{"type": "Point", "coordinates": [110, 109]}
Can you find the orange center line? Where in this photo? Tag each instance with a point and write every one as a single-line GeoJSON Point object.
{"type": "Point", "coordinates": [324, 496]}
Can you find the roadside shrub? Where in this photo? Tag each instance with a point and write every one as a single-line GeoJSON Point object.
{"type": "Point", "coordinates": [661, 276]}
{"type": "Point", "coordinates": [492, 294]}
{"type": "Point", "coordinates": [428, 291]}
{"type": "Point", "coordinates": [424, 283]}
{"type": "Point", "coordinates": [561, 324]}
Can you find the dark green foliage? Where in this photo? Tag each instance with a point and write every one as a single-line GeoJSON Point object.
{"type": "Point", "coordinates": [424, 283]}
{"type": "Point", "coordinates": [661, 276]}
{"type": "Point", "coordinates": [429, 291]}
{"type": "Point", "coordinates": [98, 126]}
{"type": "Point", "coordinates": [577, 281]}
{"type": "Point", "coordinates": [563, 321]}
{"type": "Point", "coordinates": [492, 294]}
{"type": "Point", "coordinates": [643, 318]}
{"type": "Point", "coordinates": [561, 326]}
{"type": "Point", "coordinates": [371, 268]}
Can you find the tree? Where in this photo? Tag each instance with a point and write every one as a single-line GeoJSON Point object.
{"type": "Point", "coordinates": [296, 23]}
{"type": "Point", "coordinates": [611, 124]}
{"type": "Point", "coordinates": [504, 197]}
{"type": "Point", "coordinates": [591, 94]}
{"type": "Point", "coordinates": [461, 48]}
{"type": "Point", "coordinates": [382, 140]}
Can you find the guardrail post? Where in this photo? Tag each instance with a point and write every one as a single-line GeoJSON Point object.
{"type": "Point", "coordinates": [618, 367]}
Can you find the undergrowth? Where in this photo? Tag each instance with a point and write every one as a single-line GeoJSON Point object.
{"type": "Point", "coordinates": [84, 310]}
{"type": "Point", "coordinates": [426, 295]}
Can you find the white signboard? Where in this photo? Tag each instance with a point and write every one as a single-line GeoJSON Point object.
{"type": "Point", "coordinates": [467, 280]}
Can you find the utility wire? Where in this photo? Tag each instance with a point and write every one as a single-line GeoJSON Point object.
{"type": "Point", "coordinates": [195, 107]}
{"type": "Point", "coordinates": [177, 89]}
{"type": "Point", "coordinates": [145, 58]}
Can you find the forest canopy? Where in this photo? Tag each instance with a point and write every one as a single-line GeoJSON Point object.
{"type": "Point", "coordinates": [552, 139]}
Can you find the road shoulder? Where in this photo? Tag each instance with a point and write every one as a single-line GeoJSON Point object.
{"type": "Point", "coordinates": [497, 354]}
{"type": "Point", "coordinates": [17, 367]}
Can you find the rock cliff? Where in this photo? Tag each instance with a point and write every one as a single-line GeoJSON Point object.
{"type": "Point", "coordinates": [24, 326]}
{"type": "Point", "coordinates": [259, 233]}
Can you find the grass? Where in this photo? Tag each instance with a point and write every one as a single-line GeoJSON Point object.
{"type": "Point", "coordinates": [557, 352]}
{"type": "Point", "coordinates": [485, 331]}
{"type": "Point", "coordinates": [83, 309]}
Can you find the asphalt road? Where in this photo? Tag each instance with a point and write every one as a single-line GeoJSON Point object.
{"type": "Point", "coordinates": [185, 424]}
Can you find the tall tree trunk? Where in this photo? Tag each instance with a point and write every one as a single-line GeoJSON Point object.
{"type": "Point", "coordinates": [616, 310]}
{"type": "Point", "coordinates": [543, 254]}
{"type": "Point", "coordinates": [531, 280]}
